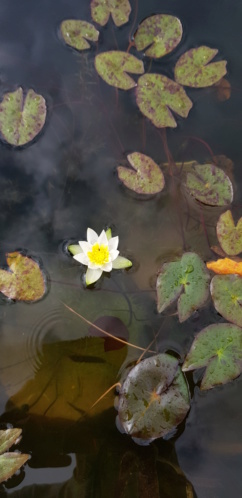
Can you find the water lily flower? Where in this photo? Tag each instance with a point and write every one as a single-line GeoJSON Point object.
{"type": "Point", "coordinates": [98, 253]}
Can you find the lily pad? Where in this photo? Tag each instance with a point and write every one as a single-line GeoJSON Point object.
{"type": "Point", "coordinates": [209, 185]}
{"type": "Point", "coordinates": [193, 68]}
{"type": "Point", "coordinates": [119, 10]}
{"type": "Point", "coordinates": [145, 178]}
{"type": "Point", "coordinates": [76, 33]}
{"type": "Point", "coordinates": [154, 398]}
{"type": "Point", "coordinates": [10, 462]}
{"type": "Point", "coordinates": [113, 67]}
{"type": "Point", "coordinates": [25, 280]}
{"type": "Point", "coordinates": [229, 235]}
{"type": "Point", "coordinates": [22, 117]}
{"type": "Point", "coordinates": [226, 291]}
{"type": "Point", "coordinates": [156, 95]}
{"type": "Point", "coordinates": [219, 348]}
{"type": "Point", "coordinates": [186, 280]}
{"type": "Point", "coordinates": [161, 33]}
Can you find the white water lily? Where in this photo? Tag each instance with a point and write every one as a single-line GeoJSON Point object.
{"type": "Point", "coordinates": [98, 253]}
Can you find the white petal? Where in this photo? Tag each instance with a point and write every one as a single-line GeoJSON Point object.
{"type": "Point", "coordinates": [85, 246]}
{"type": "Point", "coordinates": [81, 258]}
{"type": "Point", "coordinates": [102, 239]}
{"type": "Point", "coordinates": [113, 255]}
{"type": "Point", "coordinates": [92, 276]}
{"type": "Point", "coordinates": [93, 266]}
{"type": "Point", "coordinates": [113, 243]}
{"type": "Point", "coordinates": [121, 262]}
{"type": "Point", "coordinates": [107, 266]}
{"type": "Point", "coordinates": [92, 236]}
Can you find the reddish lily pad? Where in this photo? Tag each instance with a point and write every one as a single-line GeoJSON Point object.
{"type": "Point", "coordinates": [218, 348]}
{"type": "Point", "coordinates": [193, 68]}
{"type": "Point", "coordinates": [156, 95]}
{"type": "Point", "coordinates": [186, 280]}
{"type": "Point", "coordinates": [145, 178]}
{"type": "Point", "coordinates": [209, 185]}
{"type": "Point", "coordinates": [76, 33]}
{"type": "Point", "coordinates": [25, 280]}
{"type": "Point", "coordinates": [161, 33]}
{"type": "Point", "coordinates": [10, 462]}
{"type": "Point", "coordinates": [21, 117]}
{"type": "Point", "coordinates": [113, 67]}
{"type": "Point", "coordinates": [119, 10]}
{"type": "Point", "coordinates": [229, 235]}
{"type": "Point", "coordinates": [154, 398]}
{"type": "Point", "coordinates": [226, 291]}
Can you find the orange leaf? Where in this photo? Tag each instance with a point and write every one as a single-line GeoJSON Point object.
{"type": "Point", "coordinates": [225, 266]}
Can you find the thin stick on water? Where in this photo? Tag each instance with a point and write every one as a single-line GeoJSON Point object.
{"type": "Point", "coordinates": [106, 392]}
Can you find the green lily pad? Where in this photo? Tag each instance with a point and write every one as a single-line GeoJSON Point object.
{"type": "Point", "coordinates": [145, 178]}
{"type": "Point", "coordinates": [193, 68]}
{"type": "Point", "coordinates": [113, 67]}
{"type": "Point", "coordinates": [21, 117]}
{"type": "Point", "coordinates": [226, 291]}
{"type": "Point", "coordinates": [209, 185]}
{"type": "Point", "coordinates": [119, 10]}
{"type": "Point", "coordinates": [156, 95]}
{"type": "Point", "coordinates": [25, 280]}
{"type": "Point", "coordinates": [10, 462]}
{"type": "Point", "coordinates": [186, 280]}
{"type": "Point", "coordinates": [229, 235]}
{"type": "Point", "coordinates": [154, 398]}
{"type": "Point", "coordinates": [161, 33]}
{"type": "Point", "coordinates": [219, 348]}
{"type": "Point", "coordinates": [76, 33]}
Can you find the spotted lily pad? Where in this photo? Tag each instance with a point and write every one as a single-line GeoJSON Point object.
{"type": "Point", "coordinates": [145, 178]}
{"type": "Point", "coordinates": [229, 235]}
{"type": "Point", "coordinates": [113, 67]}
{"type": "Point", "coordinates": [160, 33]}
{"type": "Point", "coordinates": [226, 291]}
{"type": "Point", "coordinates": [209, 185]}
{"type": "Point", "coordinates": [10, 462]}
{"type": "Point", "coordinates": [119, 10]}
{"type": "Point", "coordinates": [186, 280]}
{"type": "Point", "coordinates": [25, 280]}
{"type": "Point", "coordinates": [76, 33]}
{"type": "Point", "coordinates": [154, 398]}
{"type": "Point", "coordinates": [193, 68]}
{"type": "Point", "coordinates": [219, 348]}
{"type": "Point", "coordinates": [21, 117]}
{"type": "Point", "coordinates": [156, 95]}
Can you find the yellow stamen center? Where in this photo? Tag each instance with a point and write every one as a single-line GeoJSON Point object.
{"type": "Point", "coordinates": [99, 254]}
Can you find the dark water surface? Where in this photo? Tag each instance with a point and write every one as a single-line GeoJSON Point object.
{"type": "Point", "coordinates": [51, 370]}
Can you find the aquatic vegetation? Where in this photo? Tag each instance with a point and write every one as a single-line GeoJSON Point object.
{"type": "Point", "coordinates": [99, 254]}
{"type": "Point", "coordinates": [161, 33]}
{"type": "Point", "coordinates": [209, 184]}
{"type": "Point", "coordinates": [22, 117]}
{"type": "Point", "coordinates": [119, 10]}
{"type": "Point", "coordinates": [226, 292]}
{"type": "Point", "coordinates": [193, 68]}
{"type": "Point", "coordinates": [10, 462]}
{"type": "Point", "coordinates": [113, 67]}
{"type": "Point", "coordinates": [76, 33]}
{"type": "Point", "coordinates": [145, 178]}
{"type": "Point", "coordinates": [229, 235]}
{"type": "Point", "coordinates": [225, 266]}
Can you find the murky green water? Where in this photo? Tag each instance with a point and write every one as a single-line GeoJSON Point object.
{"type": "Point", "coordinates": [52, 369]}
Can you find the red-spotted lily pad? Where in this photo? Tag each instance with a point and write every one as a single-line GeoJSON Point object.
{"type": "Point", "coordinates": [218, 348]}
{"type": "Point", "coordinates": [229, 234]}
{"type": "Point", "coordinates": [154, 398]}
{"type": "Point", "coordinates": [10, 462]}
{"type": "Point", "coordinates": [160, 33]}
{"type": "Point", "coordinates": [226, 291]}
{"type": "Point", "coordinates": [119, 10]}
{"type": "Point", "coordinates": [76, 33]}
{"type": "Point", "coordinates": [25, 280]}
{"type": "Point", "coordinates": [186, 280]}
{"type": "Point", "coordinates": [145, 178]}
{"type": "Point", "coordinates": [193, 68]}
{"type": "Point", "coordinates": [22, 117]}
{"type": "Point", "coordinates": [209, 185]}
{"type": "Point", "coordinates": [157, 95]}
{"type": "Point", "coordinates": [113, 67]}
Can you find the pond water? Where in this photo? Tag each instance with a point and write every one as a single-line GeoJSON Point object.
{"type": "Point", "coordinates": [53, 365]}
